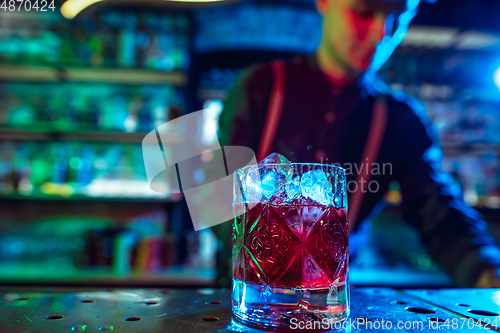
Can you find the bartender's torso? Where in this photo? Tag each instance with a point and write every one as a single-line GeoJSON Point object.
{"type": "Point", "coordinates": [324, 123]}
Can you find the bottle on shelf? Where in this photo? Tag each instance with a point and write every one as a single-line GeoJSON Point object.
{"type": "Point", "coordinates": [39, 167]}
{"type": "Point", "coordinates": [142, 42]}
{"type": "Point", "coordinates": [93, 114]}
{"type": "Point", "coordinates": [20, 113]}
{"type": "Point", "coordinates": [126, 41]}
{"type": "Point", "coordinates": [7, 169]}
{"type": "Point", "coordinates": [144, 116]}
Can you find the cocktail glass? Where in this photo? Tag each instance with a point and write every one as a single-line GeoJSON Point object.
{"type": "Point", "coordinates": [290, 244]}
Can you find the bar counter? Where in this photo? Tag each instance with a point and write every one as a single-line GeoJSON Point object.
{"type": "Point", "coordinates": [31, 309]}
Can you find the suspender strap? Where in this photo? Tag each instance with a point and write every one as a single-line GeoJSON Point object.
{"type": "Point", "coordinates": [274, 110]}
{"type": "Point", "coordinates": [372, 145]}
{"type": "Point", "coordinates": [370, 154]}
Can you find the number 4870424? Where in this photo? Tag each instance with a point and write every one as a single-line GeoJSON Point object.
{"type": "Point", "coordinates": [27, 5]}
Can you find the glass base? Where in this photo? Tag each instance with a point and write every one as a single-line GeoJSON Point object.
{"type": "Point", "coordinates": [290, 309]}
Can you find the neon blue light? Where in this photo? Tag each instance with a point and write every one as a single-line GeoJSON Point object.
{"type": "Point", "coordinates": [389, 43]}
{"type": "Point", "coordinates": [496, 77]}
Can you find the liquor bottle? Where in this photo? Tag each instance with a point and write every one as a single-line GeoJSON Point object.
{"type": "Point", "coordinates": [123, 246]}
{"type": "Point", "coordinates": [110, 41]}
{"type": "Point", "coordinates": [155, 56]}
{"type": "Point", "coordinates": [21, 170]}
{"type": "Point", "coordinates": [136, 163]}
{"type": "Point", "coordinates": [124, 169]}
{"type": "Point", "coordinates": [112, 23]}
{"type": "Point", "coordinates": [41, 112]}
{"type": "Point", "coordinates": [74, 162]}
{"type": "Point", "coordinates": [60, 154]}
{"type": "Point", "coordinates": [68, 49]}
{"type": "Point", "coordinates": [120, 111]}
{"type": "Point", "coordinates": [84, 176]}
{"type": "Point", "coordinates": [144, 116]}
{"type": "Point", "coordinates": [142, 42]}
{"type": "Point", "coordinates": [51, 46]}
{"type": "Point", "coordinates": [108, 115]}
{"type": "Point", "coordinates": [93, 114]}
{"type": "Point", "coordinates": [39, 167]}
{"type": "Point", "coordinates": [7, 169]}
{"type": "Point", "coordinates": [88, 41]}
{"type": "Point", "coordinates": [160, 112]}
{"type": "Point", "coordinates": [69, 110]}
{"type": "Point", "coordinates": [96, 43]}
{"type": "Point", "coordinates": [101, 167]}
{"type": "Point", "coordinates": [127, 40]}
{"type": "Point", "coordinates": [22, 114]}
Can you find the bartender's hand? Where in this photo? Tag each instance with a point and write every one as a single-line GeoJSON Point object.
{"type": "Point", "coordinates": [490, 278]}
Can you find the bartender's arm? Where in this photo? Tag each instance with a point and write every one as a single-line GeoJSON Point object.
{"type": "Point", "coordinates": [455, 234]}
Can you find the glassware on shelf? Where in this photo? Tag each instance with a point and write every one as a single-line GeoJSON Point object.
{"type": "Point", "coordinates": [40, 169]}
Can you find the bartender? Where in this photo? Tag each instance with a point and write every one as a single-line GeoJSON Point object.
{"type": "Point", "coordinates": [321, 108]}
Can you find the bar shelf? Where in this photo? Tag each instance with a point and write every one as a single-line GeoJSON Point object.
{"type": "Point", "coordinates": [48, 133]}
{"type": "Point", "coordinates": [107, 75]}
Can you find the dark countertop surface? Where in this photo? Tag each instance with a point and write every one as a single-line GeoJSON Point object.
{"type": "Point", "coordinates": [26, 309]}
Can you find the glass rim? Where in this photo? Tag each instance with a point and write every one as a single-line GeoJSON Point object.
{"type": "Point", "coordinates": [338, 168]}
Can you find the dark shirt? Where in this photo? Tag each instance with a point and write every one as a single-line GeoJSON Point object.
{"type": "Point", "coordinates": [321, 122]}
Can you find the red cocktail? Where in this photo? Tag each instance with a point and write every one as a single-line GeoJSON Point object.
{"type": "Point", "coordinates": [290, 248]}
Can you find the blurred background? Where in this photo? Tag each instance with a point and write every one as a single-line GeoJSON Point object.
{"type": "Point", "coordinates": [81, 86]}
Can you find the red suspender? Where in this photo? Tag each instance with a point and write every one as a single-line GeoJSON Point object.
{"type": "Point", "coordinates": [372, 145]}
{"type": "Point", "coordinates": [273, 110]}
{"type": "Point", "coordinates": [370, 154]}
